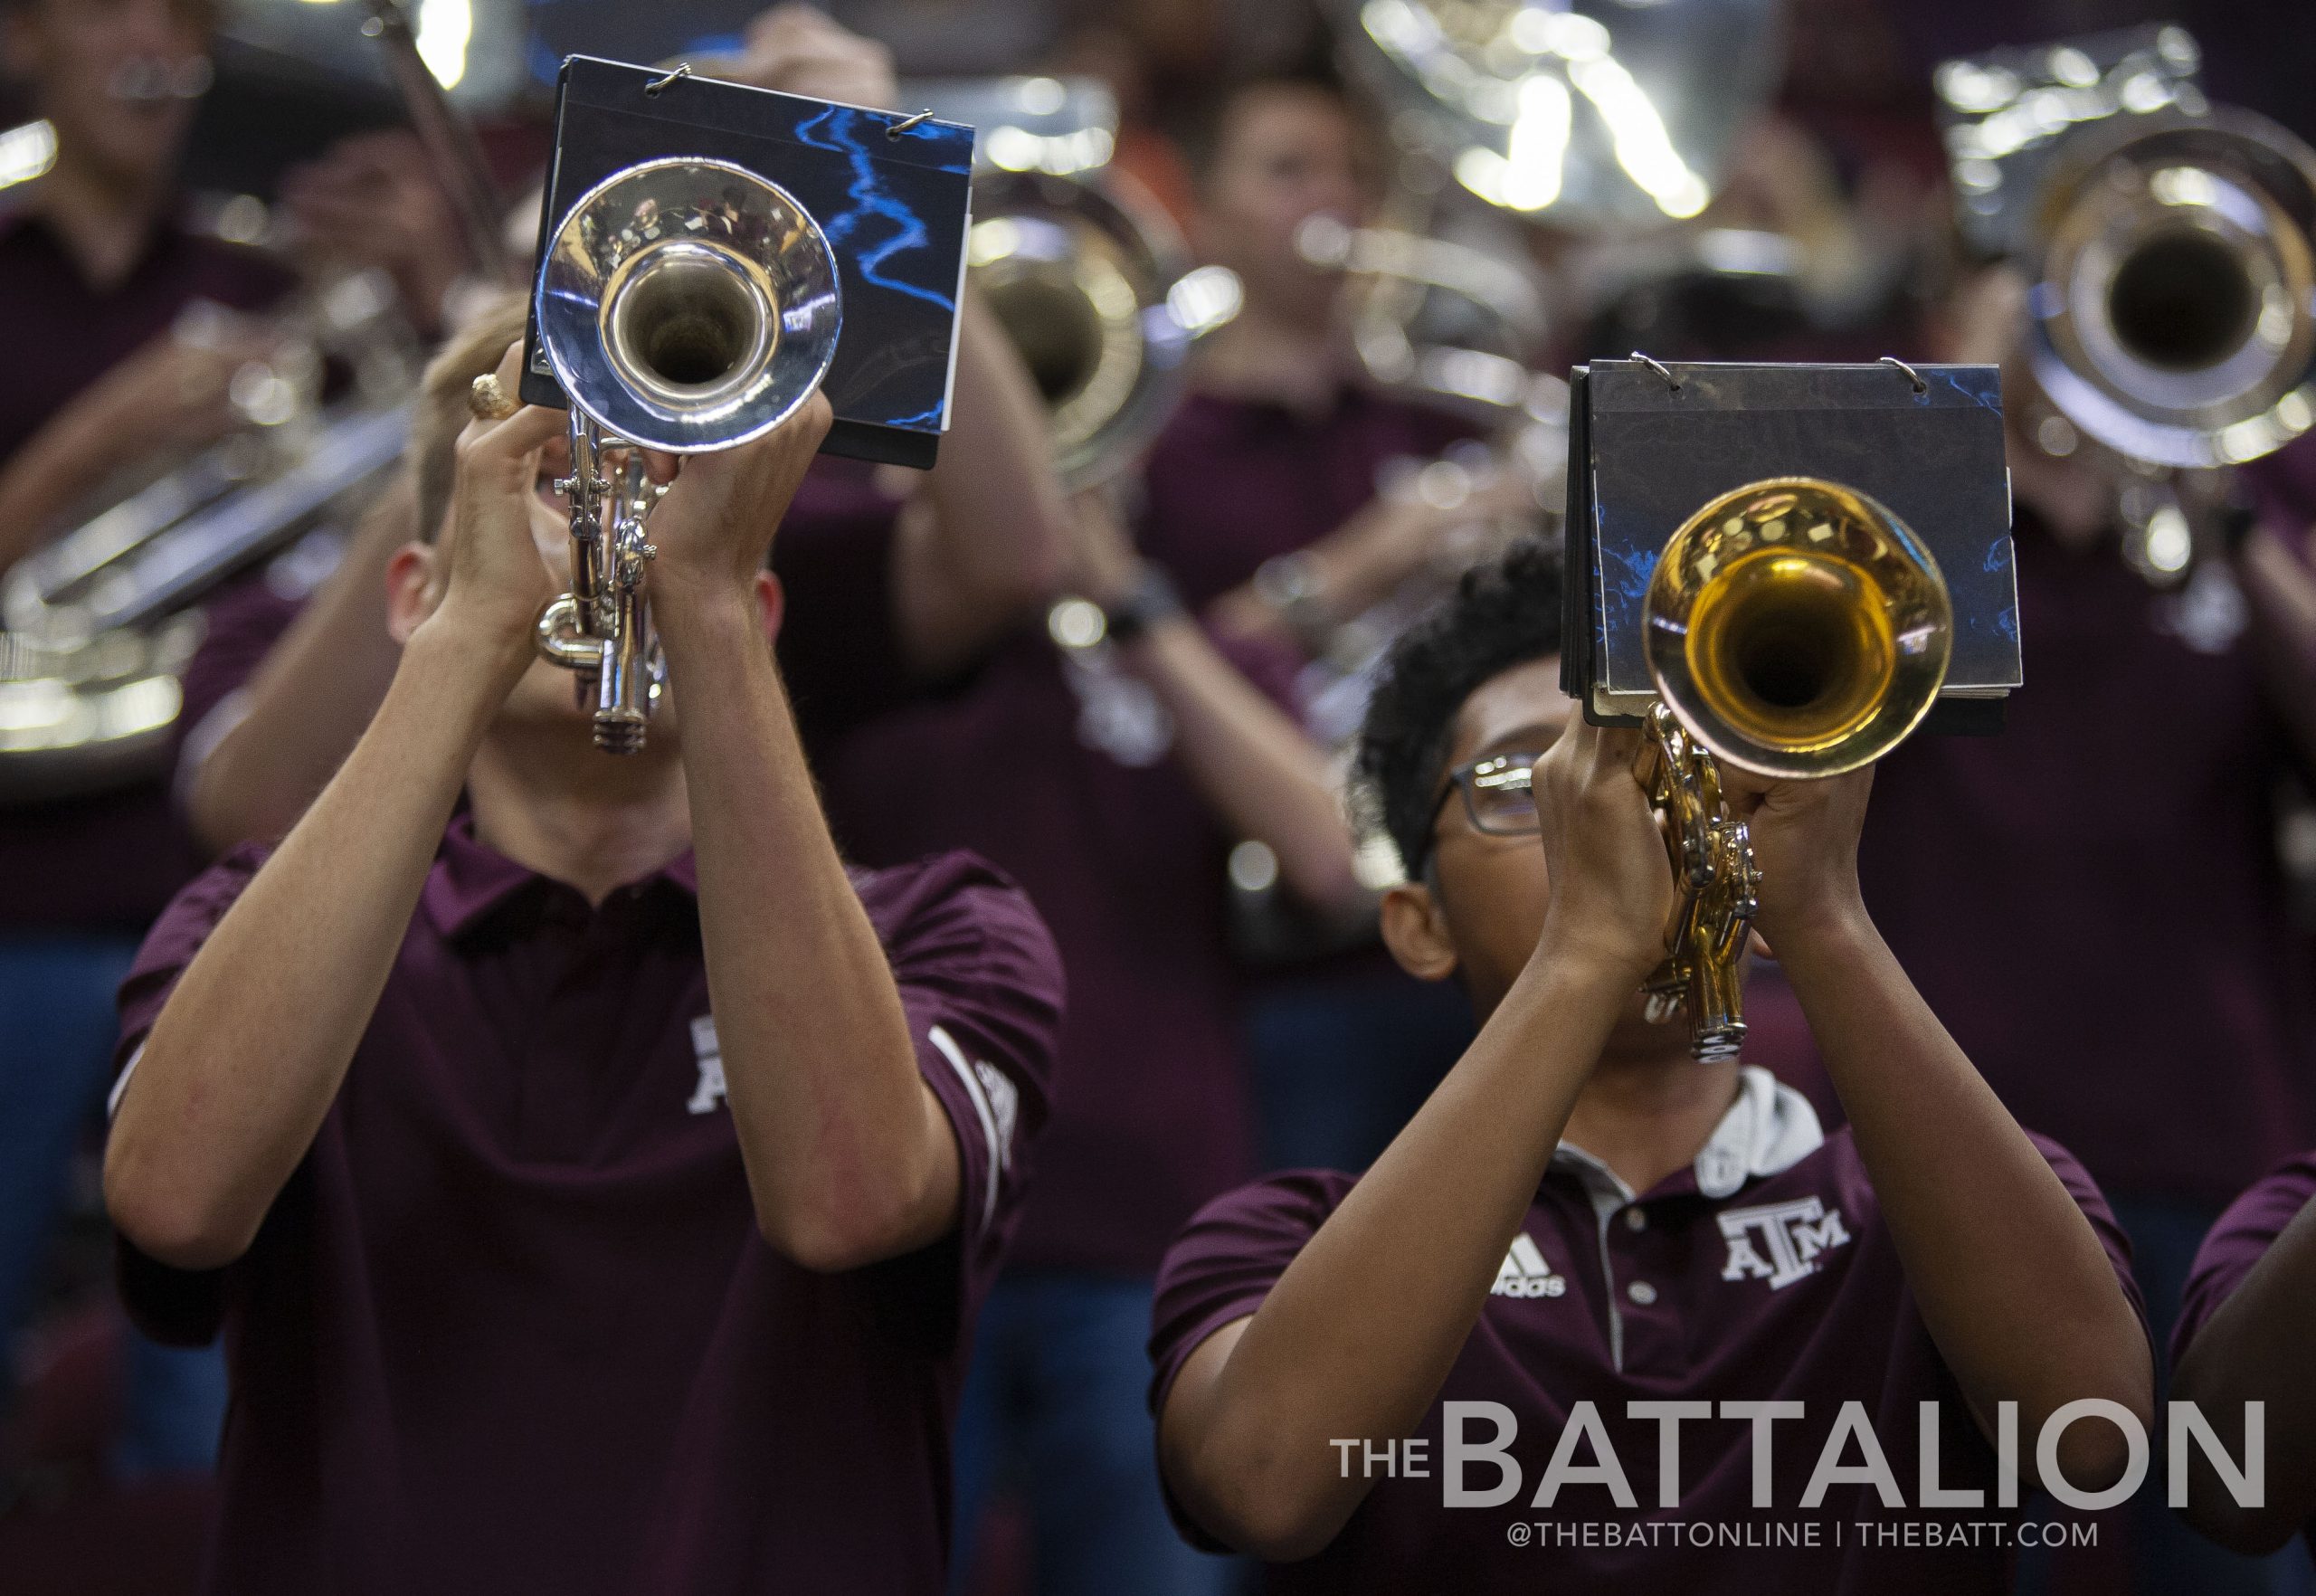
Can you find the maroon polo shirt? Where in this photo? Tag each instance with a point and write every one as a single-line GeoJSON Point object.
{"type": "Point", "coordinates": [512, 1325]}
{"type": "Point", "coordinates": [107, 861]}
{"type": "Point", "coordinates": [1764, 1273]}
{"type": "Point", "coordinates": [1125, 861]}
{"type": "Point", "coordinates": [2238, 1241]}
{"type": "Point", "coordinates": [2094, 902]}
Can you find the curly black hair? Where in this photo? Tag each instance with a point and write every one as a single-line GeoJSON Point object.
{"type": "Point", "coordinates": [1500, 615]}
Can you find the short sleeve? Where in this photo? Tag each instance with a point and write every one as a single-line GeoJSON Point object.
{"type": "Point", "coordinates": [2093, 1202]}
{"type": "Point", "coordinates": [1219, 1270]}
{"type": "Point", "coordinates": [1225, 1262]}
{"type": "Point", "coordinates": [980, 982]}
{"type": "Point", "coordinates": [176, 1307]}
{"type": "Point", "coordinates": [839, 648]}
{"type": "Point", "coordinates": [244, 622]}
{"type": "Point", "coordinates": [2238, 1242]}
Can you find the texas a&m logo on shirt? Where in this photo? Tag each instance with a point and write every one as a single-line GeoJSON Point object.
{"type": "Point", "coordinates": [1779, 1242]}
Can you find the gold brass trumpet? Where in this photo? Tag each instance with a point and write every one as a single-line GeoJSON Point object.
{"type": "Point", "coordinates": [1795, 628]}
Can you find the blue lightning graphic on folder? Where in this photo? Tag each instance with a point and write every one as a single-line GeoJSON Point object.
{"type": "Point", "coordinates": [841, 129]}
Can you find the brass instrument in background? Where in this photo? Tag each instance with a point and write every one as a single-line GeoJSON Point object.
{"type": "Point", "coordinates": [1588, 114]}
{"type": "Point", "coordinates": [685, 305]}
{"type": "Point", "coordinates": [2175, 320]}
{"type": "Point", "coordinates": [99, 623]}
{"type": "Point", "coordinates": [1796, 628]}
{"type": "Point", "coordinates": [1093, 287]}
{"type": "Point", "coordinates": [2172, 248]}
{"type": "Point", "coordinates": [1087, 275]}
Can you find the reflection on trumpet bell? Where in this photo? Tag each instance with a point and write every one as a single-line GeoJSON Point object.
{"type": "Point", "coordinates": [1797, 627]}
{"type": "Point", "coordinates": [683, 305]}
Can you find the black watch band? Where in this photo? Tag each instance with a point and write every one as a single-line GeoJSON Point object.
{"type": "Point", "coordinates": [1152, 599]}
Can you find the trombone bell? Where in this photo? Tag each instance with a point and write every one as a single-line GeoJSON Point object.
{"type": "Point", "coordinates": [1797, 627]}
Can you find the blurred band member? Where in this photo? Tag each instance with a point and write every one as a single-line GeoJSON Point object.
{"type": "Point", "coordinates": [2094, 901]}
{"type": "Point", "coordinates": [909, 577]}
{"type": "Point", "coordinates": [1111, 782]}
{"type": "Point", "coordinates": [1264, 501]}
{"type": "Point", "coordinates": [95, 270]}
{"type": "Point", "coordinates": [597, 1191]}
{"type": "Point", "coordinates": [1588, 1248]}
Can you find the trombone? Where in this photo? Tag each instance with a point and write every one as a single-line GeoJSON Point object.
{"type": "Point", "coordinates": [683, 305]}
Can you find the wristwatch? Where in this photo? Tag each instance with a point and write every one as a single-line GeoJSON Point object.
{"type": "Point", "coordinates": [1152, 598]}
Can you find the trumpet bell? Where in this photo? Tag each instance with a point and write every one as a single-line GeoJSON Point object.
{"type": "Point", "coordinates": [688, 305]}
{"type": "Point", "coordinates": [2175, 318]}
{"type": "Point", "coordinates": [1797, 627]}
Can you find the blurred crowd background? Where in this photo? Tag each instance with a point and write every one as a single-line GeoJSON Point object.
{"type": "Point", "coordinates": [1831, 237]}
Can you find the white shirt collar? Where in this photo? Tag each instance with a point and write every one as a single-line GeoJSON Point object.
{"type": "Point", "coordinates": [1769, 1129]}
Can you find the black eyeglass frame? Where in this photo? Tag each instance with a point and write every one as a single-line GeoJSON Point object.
{"type": "Point", "coordinates": [1495, 772]}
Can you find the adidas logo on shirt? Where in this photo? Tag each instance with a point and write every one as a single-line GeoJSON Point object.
{"type": "Point", "coordinates": [1525, 1273]}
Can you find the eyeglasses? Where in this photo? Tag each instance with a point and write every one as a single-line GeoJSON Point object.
{"type": "Point", "coordinates": [1499, 797]}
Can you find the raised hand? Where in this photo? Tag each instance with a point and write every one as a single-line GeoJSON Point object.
{"type": "Point", "coordinates": [496, 578]}
{"type": "Point", "coordinates": [1611, 888]}
{"type": "Point", "coordinates": [714, 527]}
{"type": "Point", "coordinates": [1805, 839]}
{"type": "Point", "coordinates": [797, 50]}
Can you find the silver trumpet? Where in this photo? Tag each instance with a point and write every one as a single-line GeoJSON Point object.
{"type": "Point", "coordinates": [683, 305]}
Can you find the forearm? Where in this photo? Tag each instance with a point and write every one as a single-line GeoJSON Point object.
{"type": "Point", "coordinates": [1359, 1334]}
{"type": "Point", "coordinates": [849, 1157]}
{"type": "Point", "coordinates": [1348, 571]}
{"type": "Point", "coordinates": [2012, 1281]}
{"type": "Point", "coordinates": [1258, 771]}
{"type": "Point", "coordinates": [2255, 1349]}
{"type": "Point", "coordinates": [247, 1056]}
{"type": "Point", "coordinates": [986, 541]}
{"type": "Point", "coordinates": [309, 702]}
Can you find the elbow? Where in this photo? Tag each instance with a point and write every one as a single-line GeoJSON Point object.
{"type": "Point", "coordinates": [1248, 1498]}
{"type": "Point", "coordinates": [164, 1221]}
{"type": "Point", "coordinates": [2093, 1454]}
{"type": "Point", "coordinates": [2212, 1508]}
{"type": "Point", "coordinates": [2095, 1457]}
{"type": "Point", "coordinates": [1287, 1532]}
{"type": "Point", "coordinates": [822, 1248]}
{"type": "Point", "coordinates": [834, 1236]}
